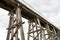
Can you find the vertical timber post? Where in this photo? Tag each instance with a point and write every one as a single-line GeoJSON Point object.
{"type": "Point", "coordinates": [52, 37]}
{"type": "Point", "coordinates": [33, 29]}
{"type": "Point", "coordinates": [20, 22]}
{"type": "Point", "coordinates": [10, 25]}
{"type": "Point", "coordinates": [40, 28]}
{"type": "Point", "coordinates": [55, 38]}
{"type": "Point", "coordinates": [29, 30]}
{"type": "Point", "coordinates": [36, 29]}
{"type": "Point", "coordinates": [12, 22]}
{"type": "Point", "coordinates": [43, 35]}
{"type": "Point", "coordinates": [48, 31]}
{"type": "Point", "coordinates": [58, 35]}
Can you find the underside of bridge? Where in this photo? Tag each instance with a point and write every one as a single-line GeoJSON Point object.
{"type": "Point", "coordinates": [38, 29]}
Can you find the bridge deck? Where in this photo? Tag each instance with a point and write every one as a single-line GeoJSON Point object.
{"type": "Point", "coordinates": [26, 12]}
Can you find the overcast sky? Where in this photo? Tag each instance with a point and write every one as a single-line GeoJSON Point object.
{"type": "Point", "coordinates": [49, 9]}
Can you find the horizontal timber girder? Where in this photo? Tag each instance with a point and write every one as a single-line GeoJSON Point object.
{"type": "Point", "coordinates": [26, 12]}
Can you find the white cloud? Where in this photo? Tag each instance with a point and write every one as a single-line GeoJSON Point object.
{"type": "Point", "coordinates": [3, 33]}
{"type": "Point", "coordinates": [4, 19]}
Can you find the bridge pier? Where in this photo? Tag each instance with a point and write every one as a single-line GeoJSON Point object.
{"type": "Point", "coordinates": [38, 32]}
{"type": "Point", "coordinates": [14, 25]}
{"type": "Point", "coordinates": [35, 30]}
